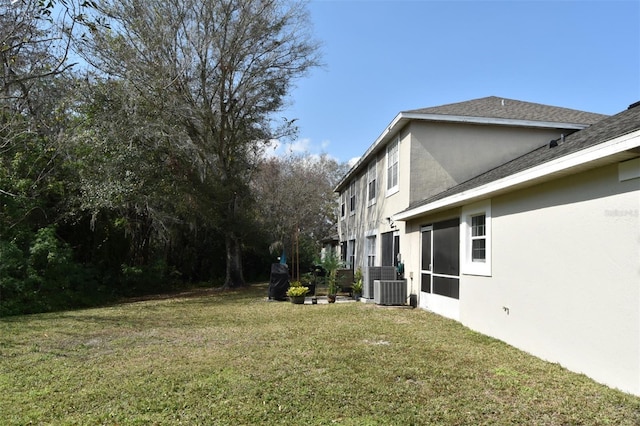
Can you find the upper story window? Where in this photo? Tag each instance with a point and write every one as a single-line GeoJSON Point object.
{"type": "Point", "coordinates": [372, 175]}
{"type": "Point", "coordinates": [352, 198]}
{"type": "Point", "coordinates": [392, 167]}
{"type": "Point", "coordinates": [343, 207]}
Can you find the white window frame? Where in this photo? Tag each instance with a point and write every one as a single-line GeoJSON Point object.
{"type": "Point", "coordinates": [372, 179]}
{"type": "Point", "coordinates": [393, 159]}
{"type": "Point", "coordinates": [351, 253]}
{"type": "Point", "coordinates": [479, 234]}
{"type": "Point", "coordinates": [371, 249]}
{"type": "Point", "coordinates": [467, 265]}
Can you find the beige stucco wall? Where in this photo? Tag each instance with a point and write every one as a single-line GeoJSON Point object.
{"type": "Point", "coordinates": [565, 282]}
{"type": "Point", "coordinates": [371, 219]}
{"type": "Point", "coordinates": [445, 154]}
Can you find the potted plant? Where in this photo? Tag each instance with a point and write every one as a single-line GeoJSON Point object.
{"type": "Point", "coordinates": [297, 292]}
{"type": "Point", "coordinates": [331, 262]}
{"type": "Point", "coordinates": [356, 288]}
{"type": "Point", "coordinates": [332, 288]}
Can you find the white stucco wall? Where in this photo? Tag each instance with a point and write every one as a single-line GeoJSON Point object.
{"type": "Point", "coordinates": [565, 282]}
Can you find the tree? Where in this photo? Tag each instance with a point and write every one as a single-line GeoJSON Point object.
{"type": "Point", "coordinates": [33, 54]}
{"type": "Point", "coordinates": [295, 199]}
{"type": "Point", "coordinates": [34, 91]}
{"type": "Point", "coordinates": [213, 73]}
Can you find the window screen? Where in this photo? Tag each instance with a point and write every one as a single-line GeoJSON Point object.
{"type": "Point", "coordinates": [446, 247]}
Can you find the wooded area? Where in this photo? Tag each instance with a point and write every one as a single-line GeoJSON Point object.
{"type": "Point", "coordinates": [133, 147]}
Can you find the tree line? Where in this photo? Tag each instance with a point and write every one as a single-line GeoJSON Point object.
{"type": "Point", "coordinates": [134, 141]}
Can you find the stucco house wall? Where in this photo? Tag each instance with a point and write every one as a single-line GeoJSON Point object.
{"type": "Point", "coordinates": [371, 218]}
{"type": "Point", "coordinates": [446, 154]}
{"type": "Point", "coordinates": [565, 253]}
{"type": "Point", "coordinates": [565, 274]}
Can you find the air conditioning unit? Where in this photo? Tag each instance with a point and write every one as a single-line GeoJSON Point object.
{"type": "Point", "coordinates": [372, 273]}
{"type": "Point", "coordinates": [390, 292]}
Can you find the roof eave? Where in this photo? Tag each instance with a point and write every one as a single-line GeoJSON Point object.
{"type": "Point", "coordinates": [493, 120]}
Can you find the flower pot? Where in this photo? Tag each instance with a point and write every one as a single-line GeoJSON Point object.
{"type": "Point", "coordinates": [298, 300]}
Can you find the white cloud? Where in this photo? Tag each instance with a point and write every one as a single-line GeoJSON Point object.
{"type": "Point", "coordinates": [305, 147]}
{"type": "Point", "coordinates": [300, 146]}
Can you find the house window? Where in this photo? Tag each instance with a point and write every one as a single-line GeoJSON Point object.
{"type": "Point", "coordinates": [352, 198]}
{"type": "Point", "coordinates": [371, 183]}
{"type": "Point", "coordinates": [475, 234]}
{"type": "Point", "coordinates": [392, 167]}
{"type": "Point", "coordinates": [343, 207]}
{"type": "Point", "coordinates": [343, 251]}
{"type": "Point", "coordinates": [371, 250]}
{"type": "Point", "coordinates": [478, 238]}
{"type": "Point", "coordinates": [351, 253]}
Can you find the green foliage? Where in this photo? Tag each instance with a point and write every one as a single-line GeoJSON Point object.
{"type": "Point", "coordinates": [356, 287]}
{"type": "Point", "coordinates": [297, 290]}
{"type": "Point", "coordinates": [331, 262]}
{"type": "Point", "coordinates": [147, 279]}
{"type": "Point", "coordinates": [307, 278]}
{"type": "Point", "coordinates": [127, 183]}
{"type": "Point", "coordinates": [38, 278]}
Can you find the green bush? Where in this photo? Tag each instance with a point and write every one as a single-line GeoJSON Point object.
{"type": "Point", "coordinates": [12, 278]}
{"type": "Point", "coordinates": [41, 277]}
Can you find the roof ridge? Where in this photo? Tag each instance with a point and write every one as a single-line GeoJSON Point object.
{"type": "Point", "coordinates": [511, 109]}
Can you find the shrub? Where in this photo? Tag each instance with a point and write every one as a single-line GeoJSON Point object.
{"type": "Point", "coordinates": [297, 291]}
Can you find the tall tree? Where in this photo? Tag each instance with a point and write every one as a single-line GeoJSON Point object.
{"type": "Point", "coordinates": [33, 58]}
{"type": "Point", "coordinates": [213, 73]}
{"type": "Point", "coordinates": [295, 198]}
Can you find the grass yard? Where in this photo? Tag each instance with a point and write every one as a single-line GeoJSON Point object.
{"type": "Point", "coordinates": [234, 359]}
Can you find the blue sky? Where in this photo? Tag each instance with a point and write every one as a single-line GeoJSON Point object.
{"type": "Point", "coordinates": [382, 57]}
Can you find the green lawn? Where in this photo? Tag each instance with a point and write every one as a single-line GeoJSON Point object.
{"type": "Point", "coordinates": [233, 358]}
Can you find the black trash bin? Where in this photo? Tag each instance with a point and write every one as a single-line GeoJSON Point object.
{"type": "Point", "coordinates": [278, 282]}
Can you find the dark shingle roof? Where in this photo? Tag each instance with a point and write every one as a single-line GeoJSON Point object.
{"type": "Point", "coordinates": [502, 108]}
{"type": "Point", "coordinates": [603, 131]}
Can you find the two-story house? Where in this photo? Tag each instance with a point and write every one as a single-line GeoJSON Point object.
{"type": "Point", "coordinates": [423, 152]}
{"type": "Point", "coordinates": [538, 245]}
